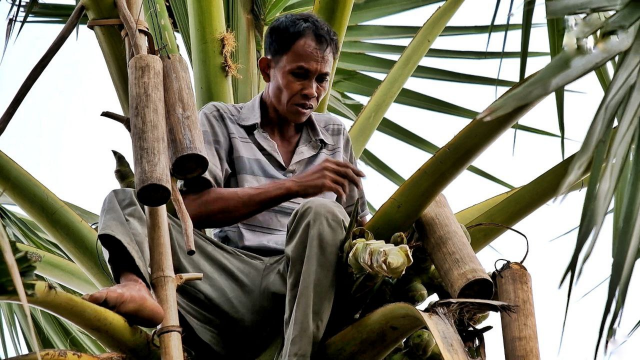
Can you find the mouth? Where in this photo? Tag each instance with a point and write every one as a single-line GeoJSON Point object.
{"type": "Point", "coordinates": [305, 106]}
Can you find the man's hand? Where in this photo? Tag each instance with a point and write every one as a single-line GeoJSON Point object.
{"type": "Point", "coordinates": [330, 175]}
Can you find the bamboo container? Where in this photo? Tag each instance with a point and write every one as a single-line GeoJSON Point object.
{"type": "Point", "coordinates": [451, 253]}
{"type": "Point", "coordinates": [519, 332]}
{"type": "Point", "coordinates": [148, 130]}
{"type": "Point", "coordinates": [163, 281]}
{"type": "Point", "coordinates": [186, 144]}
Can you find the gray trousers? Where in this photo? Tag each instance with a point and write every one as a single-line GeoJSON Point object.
{"type": "Point", "coordinates": [239, 306]}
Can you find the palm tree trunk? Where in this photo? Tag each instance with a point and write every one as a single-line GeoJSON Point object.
{"type": "Point", "coordinates": [207, 26]}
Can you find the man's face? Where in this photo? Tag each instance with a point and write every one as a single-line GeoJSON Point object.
{"type": "Point", "coordinates": [298, 80]}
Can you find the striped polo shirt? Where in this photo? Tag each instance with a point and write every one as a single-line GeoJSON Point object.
{"type": "Point", "coordinates": [241, 154]}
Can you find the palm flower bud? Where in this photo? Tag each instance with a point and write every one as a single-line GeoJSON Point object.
{"type": "Point", "coordinates": [398, 239]}
{"type": "Point", "coordinates": [435, 353]}
{"type": "Point", "coordinates": [398, 356]}
{"type": "Point", "coordinates": [379, 258]}
{"type": "Point", "coordinates": [416, 293]}
{"type": "Point", "coordinates": [421, 343]}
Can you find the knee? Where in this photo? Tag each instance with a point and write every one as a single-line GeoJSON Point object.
{"type": "Point", "coordinates": [318, 208]}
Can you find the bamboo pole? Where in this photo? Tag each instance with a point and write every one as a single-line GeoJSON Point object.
{"type": "Point", "coordinates": [148, 130]}
{"type": "Point", "coordinates": [186, 144]}
{"type": "Point", "coordinates": [451, 253]}
{"type": "Point", "coordinates": [519, 332]}
{"type": "Point", "coordinates": [163, 281]}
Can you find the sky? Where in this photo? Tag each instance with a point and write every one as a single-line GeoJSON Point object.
{"type": "Point", "coordinates": [59, 137]}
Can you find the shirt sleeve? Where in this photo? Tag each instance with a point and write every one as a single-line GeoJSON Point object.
{"type": "Point", "coordinates": [217, 146]}
{"type": "Point", "coordinates": [354, 193]}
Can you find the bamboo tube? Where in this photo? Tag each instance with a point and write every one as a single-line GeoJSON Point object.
{"type": "Point", "coordinates": [148, 130]}
{"type": "Point", "coordinates": [186, 144]}
{"type": "Point", "coordinates": [163, 281]}
{"type": "Point", "coordinates": [451, 253]}
{"type": "Point", "coordinates": [519, 332]}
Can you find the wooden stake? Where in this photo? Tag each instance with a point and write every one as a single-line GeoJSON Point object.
{"type": "Point", "coordinates": [451, 253]}
{"type": "Point", "coordinates": [186, 144]}
{"type": "Point", "coordinates": [148, 130]}
{"type": "Point", "coordinates": [519, 332]}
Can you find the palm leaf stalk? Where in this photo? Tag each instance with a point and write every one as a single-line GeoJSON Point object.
{"type": "Point", "coordinates": [67, 355]}
{"type": "Point", "coordinates": [403, 208]}
{"type": "Point", "coordinates": [208, 41]}
{"type": "Point", "coordinates": [372, 114]}
{"type": "Point", "coordinates": [509, 208]}
{"type": "Point", "coordinates": [111, 329]}
{"type": "Point", "coordinates": [155, 12]}
{"type": "Point", "coordinates": [59, 270]}
{"type": "Point", "coordinates": [336, 13]}
{"type": "Point", "coordinates": [69, 231]}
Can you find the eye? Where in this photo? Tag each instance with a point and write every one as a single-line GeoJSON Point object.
{"type": "Point", "coordinates": [300, 75]}
{"type": "Point", "coordinates": [323, 79]}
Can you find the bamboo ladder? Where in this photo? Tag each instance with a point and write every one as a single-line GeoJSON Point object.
{"type": "Point", "coordinates": [161, 99]}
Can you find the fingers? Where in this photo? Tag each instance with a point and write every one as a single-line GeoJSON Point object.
{"type": "Point", "coordinates": [348, 171]}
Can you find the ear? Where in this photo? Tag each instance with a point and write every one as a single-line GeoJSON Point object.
{"type": "Point", "coordinates": [265, 64]}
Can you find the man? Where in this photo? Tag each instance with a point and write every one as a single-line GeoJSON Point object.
{"type": "Point", "coordinates": [275, 254]}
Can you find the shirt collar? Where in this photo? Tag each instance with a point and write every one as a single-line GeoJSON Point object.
{"type": "Point", "coordinates": [250, 115]}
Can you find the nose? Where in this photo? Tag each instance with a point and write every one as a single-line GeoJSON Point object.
{"type": "Point", "coordinates": [310, 90]}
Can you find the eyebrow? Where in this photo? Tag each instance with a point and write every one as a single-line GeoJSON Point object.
{"type": "Point", "coordinates": [302, 67]}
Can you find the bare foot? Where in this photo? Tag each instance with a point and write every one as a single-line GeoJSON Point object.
{"type": "Point", "coordinates": [132, 300]}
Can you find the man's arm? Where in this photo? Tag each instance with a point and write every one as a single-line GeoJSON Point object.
{"type": "Point", "coordinates": [219, 207]}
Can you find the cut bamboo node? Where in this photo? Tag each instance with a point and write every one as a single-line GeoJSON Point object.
{"type": "Point", "coordinates": [186, 144]}
{"type": "Point", "coordinates": [451, 253]}
{"type": "Point", "coordinates": [519, 331]}
{"type": "Point", "coordinates": [183, 278]}
{"type": "Point", "coordinates": [148, 130]}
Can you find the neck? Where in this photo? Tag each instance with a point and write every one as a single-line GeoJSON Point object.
{"type": "Point", "coordinates": [278, 127]}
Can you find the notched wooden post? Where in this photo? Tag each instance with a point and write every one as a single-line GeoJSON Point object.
{"type": "Point", "coordinates": [186, 144]}
{"type": "Point", "coordinates": [519, 332]}
{"type": "Point", "coordinates": [451, 253]}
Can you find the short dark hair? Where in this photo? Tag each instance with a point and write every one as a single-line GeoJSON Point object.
{"type": "Point", "coordinates": [287, 29]}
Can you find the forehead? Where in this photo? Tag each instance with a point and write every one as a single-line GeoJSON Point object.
{"type": "Point", "coordinates": [309, 53]}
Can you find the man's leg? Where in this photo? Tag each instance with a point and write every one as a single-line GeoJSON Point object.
{"type": "Point", "coordinates": [314, 235]}
{"type": "Point", "coordinates": [221, 307]}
